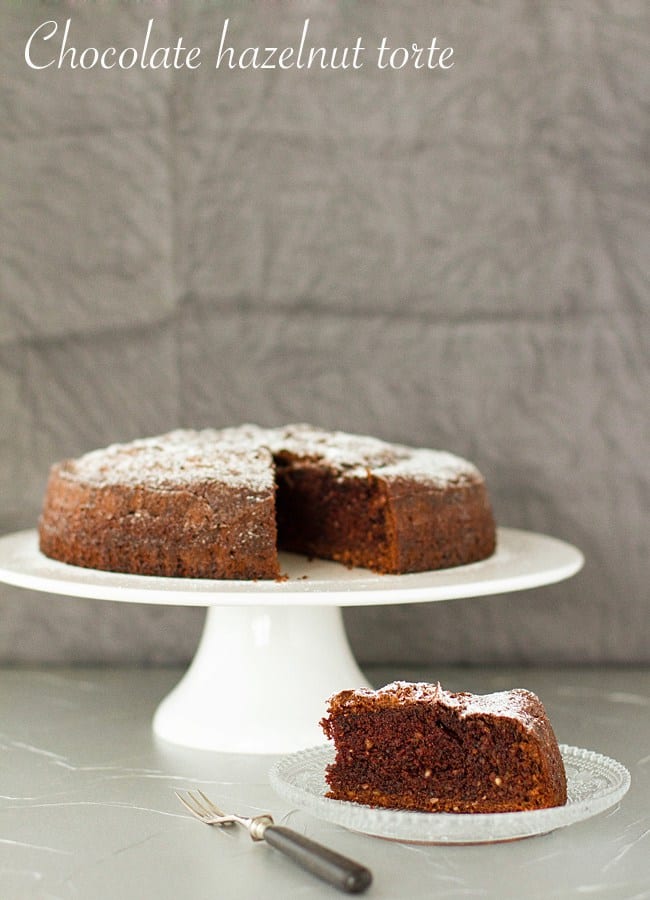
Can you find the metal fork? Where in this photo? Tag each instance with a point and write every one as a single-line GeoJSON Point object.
{"type": "Point", "coordinates": [343, 873]}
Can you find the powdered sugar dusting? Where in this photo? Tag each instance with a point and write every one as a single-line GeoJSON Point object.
{"type": "Point", "coordinates": [242, 456]}
{"type": "Point", "coordinates": [356, 456]}
{"type": "Point", "coordinates": [171, 460]}
{"type": "Point", "coordinates": [517, 704]}
{"type": "Point", "coordinates": [435, 467]}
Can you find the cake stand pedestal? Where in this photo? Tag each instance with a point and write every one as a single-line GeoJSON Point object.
{"type": "Point", "coordinates": [259, 679]}
{"type": "Point", "coordinates": [272, 652]}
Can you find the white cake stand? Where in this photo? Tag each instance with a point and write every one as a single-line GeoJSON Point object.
{"type": "Point", "coordinates": [271, 652]}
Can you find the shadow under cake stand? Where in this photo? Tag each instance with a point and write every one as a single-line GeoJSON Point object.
{"type": "Point", "coordinates": [271, 653]}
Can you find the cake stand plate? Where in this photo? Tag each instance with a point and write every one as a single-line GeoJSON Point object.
{"type": "Point", "coordinates": [272, 652]}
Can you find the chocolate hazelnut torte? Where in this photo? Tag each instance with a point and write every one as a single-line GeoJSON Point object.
{"type": "Point", "coordinates": [183, 504]}
{"type": "Point", "coordinates": [219, 504]}
{"type": "Point", "coordinates": [419, 747]}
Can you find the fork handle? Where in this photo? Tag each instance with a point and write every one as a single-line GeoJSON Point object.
{"type": "Point", "coordinates": [343, 873]}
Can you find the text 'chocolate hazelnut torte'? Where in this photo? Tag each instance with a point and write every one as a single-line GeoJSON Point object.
{"type": "Point", "coordinates": [419, 747]}
{"type": "Point", "coordinates": [221, 503]}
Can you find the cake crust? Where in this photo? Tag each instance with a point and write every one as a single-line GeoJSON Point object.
{"type": "Point", "coordinates": [417, 746]}
{"type": "Point", "coordinates": [220, 503]}
{"type": "Point", "coordinates": [170, 506]}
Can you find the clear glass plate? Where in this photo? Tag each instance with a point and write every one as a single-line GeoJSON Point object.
{"type": "Point", "coordinates": [595, 783]}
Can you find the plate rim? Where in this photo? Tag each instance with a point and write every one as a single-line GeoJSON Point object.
{"type": "Point", "coordinates": [327, 583]}
{"type": "Point", "coordinates": [584, 808]}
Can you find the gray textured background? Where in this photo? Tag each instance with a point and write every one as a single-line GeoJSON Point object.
{"type": "Point", "coordinates": [450, 259]}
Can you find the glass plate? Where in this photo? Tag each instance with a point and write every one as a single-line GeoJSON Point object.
{"type": "Point", "coordinates": [595, 783]}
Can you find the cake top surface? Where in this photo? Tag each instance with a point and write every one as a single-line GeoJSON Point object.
{"type": "Point", "coordinates": [179, 457]}
{"type": "Point", "coordinates": [241, 456]}
{"type": "Point", "coordinates": [355, 455]}
{"type": "Point", "coordinates": [517, 704]}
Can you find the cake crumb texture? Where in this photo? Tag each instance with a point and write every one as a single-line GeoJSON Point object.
{"type": "Point", "coordinates": [417, 746]}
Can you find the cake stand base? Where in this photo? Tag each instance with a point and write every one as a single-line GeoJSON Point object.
{"type": "Point", "coordinates": [259, 680]}
{"type": "Point", "coordinates": [273, 651]}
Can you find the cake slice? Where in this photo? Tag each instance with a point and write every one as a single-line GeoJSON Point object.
{"type": "Point", "coordinates": [419, 747]}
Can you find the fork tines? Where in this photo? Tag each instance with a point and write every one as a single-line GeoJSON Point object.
{"type": "Point", "coordinates": [201, 806]}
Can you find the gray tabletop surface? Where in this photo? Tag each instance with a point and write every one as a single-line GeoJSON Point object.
{"type": "Point", "coordinates": [87, 808]}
